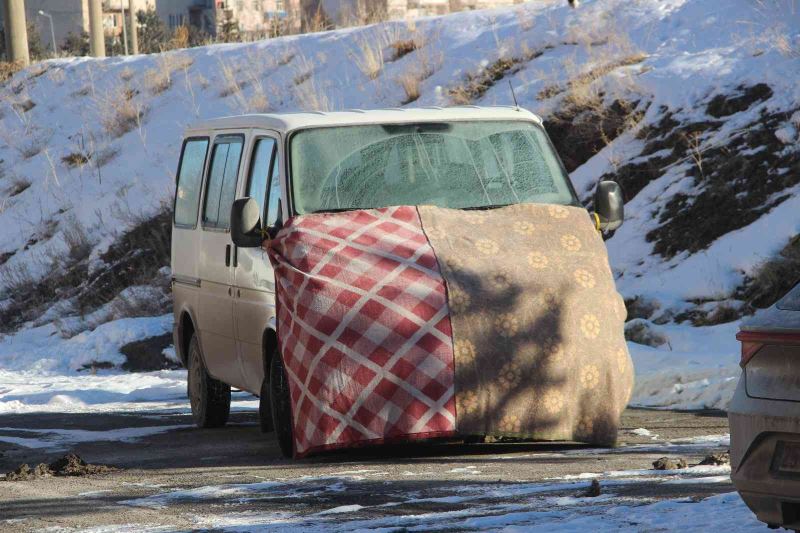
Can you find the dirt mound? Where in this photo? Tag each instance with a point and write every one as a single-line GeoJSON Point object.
{"type": "Point", "coordinates": [25, 473]}
{"type": "Point", "coordinates": [666, 463]}
{"type": "Point", "coordinates": [717, 459]}
{"type": "Point", "coordinates": [69, 465]}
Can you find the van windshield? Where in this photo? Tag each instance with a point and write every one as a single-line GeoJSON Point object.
{"type": "Point", "coordinates": [461, 165]}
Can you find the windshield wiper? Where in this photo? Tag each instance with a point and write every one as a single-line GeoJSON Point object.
{"type": "Point", "coordinates": [336, 210]}
{"type": "Point", "coordinates": [482, 207]}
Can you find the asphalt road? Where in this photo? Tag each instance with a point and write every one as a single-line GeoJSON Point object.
{"type": "Point", "coordinates": [188, 478]}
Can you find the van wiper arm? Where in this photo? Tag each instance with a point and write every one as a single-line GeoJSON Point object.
{"type": "Point", "coordinates": [485, 207]}
{"type": "Point", "coordinates": [336, 210]}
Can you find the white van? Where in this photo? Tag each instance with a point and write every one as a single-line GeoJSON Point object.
{"type": "Point", "coordinates": [223, 282]}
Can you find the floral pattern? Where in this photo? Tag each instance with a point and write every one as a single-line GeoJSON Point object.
{"type": "Point", "coordinates": [553, 349]}
{"type": "Point", "coordinates": [590, 377]}
{"type": "Point", "coordinates": [459, 299]}
{"type": "Point", "coordinates": [467, 403]}
{"type": "Point", "coordinates": [570, 243]}
{"type": "Point", "coordinates": [487, 247]}
{"type": "Point", "coordinates": [523, 227]}
{"type": "Point", "coordinates": [585, 279]}
{"type": "Point", "coordinates": [510, 424]}
{"type": "Point", "coordinates": [622, 360]}
{"type": "Point", "coordinates": [507, 324]}
{"type": "Point", "coordinates": [558, 211]}
{"type": "Point", "coordinates": [538, 260]}
{"type": "Point", "coordinates": [510, 376]}
{"type": "Point", "coordinates": [590, 326]}
{"type": "Point", "coordinates": [500, 280]}
{"type": "Point", "coordinates": [464, 352]}
{"type": "Point", "coordinates": [553, 401]}
{"type": "Point", "coordinates": [536, 322]}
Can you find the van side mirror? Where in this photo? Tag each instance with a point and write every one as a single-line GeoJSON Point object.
{"type": "Point", "coordinates": [609, 206]}
{"type": "Point", "coordinates": [246, 223]}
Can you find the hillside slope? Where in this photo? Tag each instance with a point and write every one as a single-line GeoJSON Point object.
{"type": "Point", "coordinates": [693, 108]}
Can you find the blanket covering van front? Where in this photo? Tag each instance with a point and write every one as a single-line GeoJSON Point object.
{"type": "Point", "coordinates": [418, 322]}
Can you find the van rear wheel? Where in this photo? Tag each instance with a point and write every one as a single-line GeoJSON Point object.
{"type": "Point", "coordinates": [281, 404]}
{"type": "Point", "coordinates": [210, 398]}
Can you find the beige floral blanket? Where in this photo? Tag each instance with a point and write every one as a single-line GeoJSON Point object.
{"type": "Point", "coordinates": [537, 322]}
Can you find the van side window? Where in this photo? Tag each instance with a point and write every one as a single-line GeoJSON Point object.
{"type": "Point", "coordinates": [221, 187]}
{"type": "Point", "coordinates": [273, 200]}
{"type": "Point", "coordinates": [190, 178]}
{"type": "Point", "coordinates": [259, 172]}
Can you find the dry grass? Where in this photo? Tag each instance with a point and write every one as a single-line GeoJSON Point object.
{"type": "Point", "coordinates": [159, 79]}
{"type": "Point", "coordinates": [18, 186]}
{"type": "Point", "coordinates": [8, 69]}
{"type": "Point", "coordinates": [368, 55]}
{"type": "Point", "coordinates": [119, 112]}
{"type": "Point", "coordinates": [127, 74]}
{"type": "Point", "coordinates": [248, 91]}
{"type": "Point", "coordinates": [766, 30]}
{"type": "Point", "coordinates": [230, 84]}
{"type": "Point", "coordinates": [476, 85]}
{"type": "Point", "coordinates": [773, 278]}
{"type": "Point", "coordinates": [311, 96]}
{"type": "Point", "coordinates": [410, 81]}
{"type": "Point", "coordinates": [76, 159]}
{"type": "Point", "coordinates": [581, 87]}
{"type": "Point", "coordinates": [403, 48]}
{"type": "Point", "coordinates": [77, 240]}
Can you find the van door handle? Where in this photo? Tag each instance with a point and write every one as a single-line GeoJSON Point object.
{"type": "Point", "coordinates": [228, 255]}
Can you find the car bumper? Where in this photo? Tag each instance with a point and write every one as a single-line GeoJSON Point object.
{"type": "Point", "coordinates": [760, 429]}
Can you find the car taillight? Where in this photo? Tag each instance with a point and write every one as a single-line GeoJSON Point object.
{"type": "Point", "coordinates": [753, 341]}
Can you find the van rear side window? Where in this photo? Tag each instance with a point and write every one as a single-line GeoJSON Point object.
{"type": "Point", "coordinates": [221, 187]}
{"type": "Point", "coordinates": [190, 177]}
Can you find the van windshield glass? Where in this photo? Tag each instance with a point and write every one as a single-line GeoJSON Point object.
{"type": "Point", "coordinates": [460, 165]}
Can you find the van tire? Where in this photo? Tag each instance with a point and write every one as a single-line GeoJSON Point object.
{"type": "Point", "coordinates": [265, 406]}
{"type": "Point", "coordinates": [281, 404]}
{"type": "Point", "coordinates": [210, 398]}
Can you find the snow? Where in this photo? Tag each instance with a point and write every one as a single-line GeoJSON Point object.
{"type": "Point", "coordinates": [697, 369]}
{"type": "Point", "coordinates": [42, 349]}
{"type": "Point", "coordinates": [62, 439]}
{"type": "Point", "coordinates": [557, 505]}
{"type": "Point", "coordinates": [691, 50]}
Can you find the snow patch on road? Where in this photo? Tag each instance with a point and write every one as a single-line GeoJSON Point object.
{"type": "Point", "coordinates": [59, 439]}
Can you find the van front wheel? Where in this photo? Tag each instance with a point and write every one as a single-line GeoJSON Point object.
{"type": "Point", "coordinates": [281, 404]}
{"type": "Point", "coordinates": [210, 398]}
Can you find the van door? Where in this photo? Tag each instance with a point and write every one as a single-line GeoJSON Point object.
{"type": "Point", "coordinates": [185, 233]}
{"type": "Point", "coordinates": [254, 280]}
{"type": "Point", "coordinates": [215, 309]}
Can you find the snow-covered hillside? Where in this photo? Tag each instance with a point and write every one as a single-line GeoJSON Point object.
{"type": "Point", "coordinates": [693, 105]}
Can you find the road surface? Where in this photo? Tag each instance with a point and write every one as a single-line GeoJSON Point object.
{"type": "Point", "coordinates": [175, 477]}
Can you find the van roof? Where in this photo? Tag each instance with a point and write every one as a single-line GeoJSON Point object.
{"type": "Point", "coordinates": [287, 122]}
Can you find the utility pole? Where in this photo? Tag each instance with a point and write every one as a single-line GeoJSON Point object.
{"type": "Point", "coordinates": [124, 27]}
{"type": "Point", "coordinates": [134, 33]}
{"type": "Point", "coordinates": [97, 40]}
{"type": "Point", "coordinates": [16, 31]}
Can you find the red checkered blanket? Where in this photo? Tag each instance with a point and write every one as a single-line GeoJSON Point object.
{"type": "Point", "coordinates": [420, 322]}
{"type": "Point", "coordinates": [364, 329]}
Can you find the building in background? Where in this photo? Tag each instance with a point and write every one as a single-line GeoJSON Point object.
{"type": "Point", "coordinates": [348, 12]}
{"type": "Point", "coordinates": [251, 18]}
